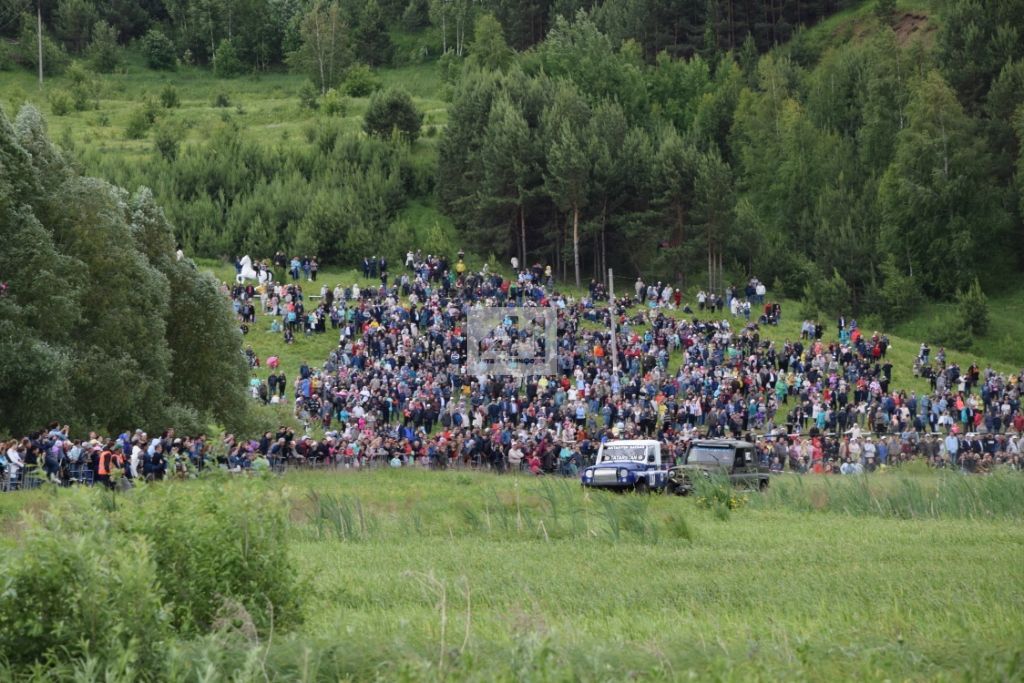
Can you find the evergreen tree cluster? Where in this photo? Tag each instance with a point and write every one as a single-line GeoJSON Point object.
{"type": "Point", "coordinates": [322, 37]}
{"type": "Point", "coordinates": [250, 35]}
{"type": "Point", "coordinates": [100, 324]}
{"type": "Point", "coordinates": [880, 173]}
{"type": "Point", "coordinates": [338, 197]}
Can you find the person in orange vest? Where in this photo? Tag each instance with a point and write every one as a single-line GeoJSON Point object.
{"type": "Point", "coordinates": [111, 458]}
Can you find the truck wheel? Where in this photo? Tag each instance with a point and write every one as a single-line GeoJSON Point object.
{"type": "Point", "coordinates": [641, 487]}
{"type": "Point", "coordinates": [670, 489]}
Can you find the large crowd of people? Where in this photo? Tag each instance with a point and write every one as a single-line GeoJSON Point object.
{"type": "Point", "coordinates": [396, 391]}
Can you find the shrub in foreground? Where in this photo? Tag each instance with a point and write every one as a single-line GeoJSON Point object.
{"type": "Point", "coordinates": [68, 594]}
{"type": "Point", "coordinates": [218, 544]}
{"type": "Point", "coordinates": [110, 580]}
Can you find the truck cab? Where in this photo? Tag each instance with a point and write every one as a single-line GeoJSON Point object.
{"type": "Point", "coordinates": [732, 458]}
{"type": "Point", "coordinates": [633, 465]}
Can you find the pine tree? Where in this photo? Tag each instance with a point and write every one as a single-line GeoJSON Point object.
{"type": "Point", "coordinates": [373, 43]}
{"type": "Point", "coordinates": [940, 209]}
{"type": "Point", "coordinates": [510, 161]}
{"type": "Point", "coordinates": [489, 49]}
{"type": "Point", "coordinates": [568, 181]}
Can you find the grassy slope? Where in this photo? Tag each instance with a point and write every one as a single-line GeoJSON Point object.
{"type": "Point", "coordinates": [857, 20]}
{"type": "Point", "coordinates": [1002, 342]}
{"type": "Point", "coordinates": [265, 106]}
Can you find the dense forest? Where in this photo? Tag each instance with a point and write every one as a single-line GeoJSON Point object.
{"type": "Point", "coordinates": [261, 34]}
{"type": "Point", "coordinates": [696, 142]}
{"type": "Point", "coordinates": [863, 178]}
{"type": "Point", "coordinates": [96, 313]}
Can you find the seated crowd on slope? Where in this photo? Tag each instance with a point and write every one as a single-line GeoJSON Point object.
{"type": "Point", "coordinates": [396, 390]}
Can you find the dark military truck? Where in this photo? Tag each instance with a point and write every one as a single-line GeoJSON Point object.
{"type": "Point", "coordinates": [737, 460]}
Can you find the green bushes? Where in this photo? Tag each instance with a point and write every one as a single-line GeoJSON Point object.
{"type": "Point", "coordinates": [138, 124]}
{"type": "Point", "coordinates": [67, 593]}
{"type": "Point", "coordinates": [309, 96]}
{"type": "Point", "coordinates": [829, 296]}
{"type": "Point", "coordinates": [104, 52]}
{"type": "Point", "coordinates": [393, 112]}
{"type": "Point", "coordinates": [60, 102]}
{"type": "Point", "coordinates": [338, 195]}
{"type": "Point", "coordinates": [167, 140]}
{"type": "Point", "coordinates": [111, 583]}
{"type": "Point", "coordinates": [226, 62]}
{"type": "Point", "coordinates": [55, 59]}
{"type": "Point", "coordinates": [972, 309]}
{"type": "Point", "coordinates": [360, 81]}
{"type": "Point", "coordinates": [899, 295]}
{"type": "Point", "coordinates": [158, 50]}
{"type": "Point", "coordinates": [169, 97]}
{"type": "Point", "coordinates": [333, 103]}
{"type": "Point", "coordinates": [218, 543]}
{"type": "Point", "coordinates": [84, 88]}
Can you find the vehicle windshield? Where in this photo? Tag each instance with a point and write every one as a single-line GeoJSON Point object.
{"type": "Point", "coordinates": [710, 455]}
{"type": "Point", "coordinates": [636, 452]}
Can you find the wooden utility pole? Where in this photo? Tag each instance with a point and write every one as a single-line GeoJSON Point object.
{"type": "Point", "coordinates": [39, 38]}
{"type": "Point", "coordinates": [611, 317]}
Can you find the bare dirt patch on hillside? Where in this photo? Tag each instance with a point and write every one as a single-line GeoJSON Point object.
{"type": "Point", "coordinates": [910, 26]}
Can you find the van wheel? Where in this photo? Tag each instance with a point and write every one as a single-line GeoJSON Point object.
{"type": "Point", "coordinates": [670, 489]}
{"type": "Point", "coordinates": [641, 487]}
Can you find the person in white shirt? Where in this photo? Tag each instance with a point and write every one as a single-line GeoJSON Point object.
{"type": "Point", "coordinates": [515, 457]}
{"type": "Point", "coordinates": [15, 461]}
{"type": "Point", "coordinates": [869, 449]}
{"type": "Point", "coordinates": [136, 457]}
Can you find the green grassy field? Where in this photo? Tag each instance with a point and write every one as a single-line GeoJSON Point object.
{"type": "Point", "coordinates": [265, 107]}
{"type": "Point", "coordinates": [418, 575]}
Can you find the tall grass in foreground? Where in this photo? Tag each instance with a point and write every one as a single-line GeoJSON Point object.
{"type": "Point", "coordinates": [552, 509]}
{"type": "Point", "coordinates": [340, 518]}
{"type": "Point", "coordinates": [545, 509]}
{"type": "Point", "coordinates": [944, 495]}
